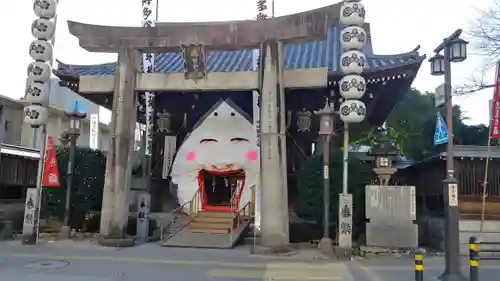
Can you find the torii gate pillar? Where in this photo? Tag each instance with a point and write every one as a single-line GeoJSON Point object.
{"type": "Point", "coordinates": [115, 202]}
{"type": "Point", "coordinates": [168, 37]}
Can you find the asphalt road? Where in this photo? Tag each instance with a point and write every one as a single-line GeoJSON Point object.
{"type": "Point", "coordinates": [71, 261]}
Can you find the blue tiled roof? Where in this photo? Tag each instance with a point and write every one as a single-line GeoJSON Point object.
{"type": "Point", "coordinates": [317, 54]}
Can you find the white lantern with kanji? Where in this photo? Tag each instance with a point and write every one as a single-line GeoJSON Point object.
{"type": "Point", "coordinates": [352, 86]}
{"type": "Point", "coordinates": [35, 115]}
{"type": "Point", "coordinates": [353, 38]}
{"type": "Point", "coordinates": [41, 50]}
{"type": "Point", "coordinates": [45, 8]}
{"type": "Point", "coordinates": [352, 13]}
{"type": "Point", "coordinates": [43, 29]}
{"type": "Point", "coordinates": [39, 71]}
{"type": "Point", "coordinates": [37, 92]}
{"type": "Point", "coordinates": [352, 111]}
{"type": "Point", "coordinates": [352, 62]}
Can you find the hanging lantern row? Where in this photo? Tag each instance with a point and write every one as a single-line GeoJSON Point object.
{"type": "Point", "coordinates": [37, 91]}
{"type": "Point", "coordinates": [353, 38]}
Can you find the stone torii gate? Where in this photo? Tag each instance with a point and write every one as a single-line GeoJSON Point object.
{"type": "Point", "coordinates": [268, 35]}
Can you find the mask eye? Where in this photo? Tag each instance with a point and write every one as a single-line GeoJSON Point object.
{"type": "Point", "coordinates": [238, 140]}
{"type": "Point", "coordinates": [208, 141]}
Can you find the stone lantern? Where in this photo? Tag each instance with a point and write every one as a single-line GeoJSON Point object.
{"type": "Point", "coordinates": [384, 153]}
{"type": "Point", "coordinates": [76, 115]}
{"type": "Point", "coordinates": [326, 120]}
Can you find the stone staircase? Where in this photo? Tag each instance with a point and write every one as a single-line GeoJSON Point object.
{"type": "Point", "coordinates": [212, 222]}
{"type": "Point", "coordinates": [207, 230]}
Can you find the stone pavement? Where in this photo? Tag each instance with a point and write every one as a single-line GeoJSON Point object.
{"type": "Point", "coordinates": [84, 261]}
{"type": "Point", "coordinates": [68, 260]}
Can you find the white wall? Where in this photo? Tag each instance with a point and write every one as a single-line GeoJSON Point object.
{"type": "Point", "coordinates": [56, 125]}
{"type": "Point", "coordinates": [62, 99]}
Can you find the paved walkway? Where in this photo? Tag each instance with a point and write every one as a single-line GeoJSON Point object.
{"type": "Point", "coordinates": [87, 262]}
{"type": "Point", "coordinates": [73, 261]}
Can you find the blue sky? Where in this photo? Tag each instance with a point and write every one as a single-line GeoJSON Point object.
{"type": "Point", "coordinates": [397, 26]}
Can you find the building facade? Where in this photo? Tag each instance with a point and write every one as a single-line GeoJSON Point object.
{"type": "Point", "coordinates": [61, 100]}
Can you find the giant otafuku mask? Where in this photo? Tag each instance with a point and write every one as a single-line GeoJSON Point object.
{"type": "Point", "coordinates": [222, 144]}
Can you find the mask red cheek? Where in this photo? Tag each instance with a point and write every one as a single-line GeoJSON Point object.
{"type": "Point", "coordinates": [190, 156]}
{"type": "Point", "coordinates": [252, 156]}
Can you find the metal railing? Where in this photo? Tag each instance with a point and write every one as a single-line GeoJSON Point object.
{"type": "Point", "coordinates": [475, 258]}
{"type": "Point", "coordinates": [176, 215]}
{"type": "Point", "coordinates": [242, 215]}
{"type": "Point", "coordinates": [239, 218]}
{"type": "Point", "coordinates": [195, 204]}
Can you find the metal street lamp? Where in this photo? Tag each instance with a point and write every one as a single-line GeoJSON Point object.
{"type": "Point", "coordinates": [455, 50]}
{"type": "Point", "coordinates": [71, 135]}
{"type": "Point", "coordinates": [437, 65]}
{"type": "Point", "coordinates": [458, 50]}
{"type": "Point", "coordinates": [326, 130]}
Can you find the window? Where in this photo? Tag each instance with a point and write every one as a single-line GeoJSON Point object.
{"type": "Point", "coordinates": [7, 136]}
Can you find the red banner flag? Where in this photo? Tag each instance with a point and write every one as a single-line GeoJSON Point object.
{"type": "Point", "coordinates": [495, 107]}
{"type": "Point", "coordinates": [50, 170]}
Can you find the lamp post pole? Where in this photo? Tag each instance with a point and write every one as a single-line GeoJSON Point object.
{"type": "Point", "coordinates": [452, 240]}
{"type": "Point", "coordinates": [326, 130]}
{"type": "Point", "coordinates": [75, 119]}
{"type": "Point", "coordinates": [326, 190]}
{"type": "Point", "coordinates": [69, 183]}
{"type": "Point", "coordinates": [454, 50]}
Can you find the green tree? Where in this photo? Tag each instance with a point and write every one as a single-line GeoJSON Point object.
{"type": "Point", "coordinates": [411, 126]}
{"type": "Point", "coordinates": [88, 185]}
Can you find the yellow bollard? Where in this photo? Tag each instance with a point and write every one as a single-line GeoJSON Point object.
{"type": "Point", "coordinates": [473, 259]}
{"type": "Point", "coordinates": [419, 265]}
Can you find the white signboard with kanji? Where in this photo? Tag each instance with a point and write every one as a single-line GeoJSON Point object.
{"type": "Point", "coordinates": [453, 194]}
{"type": "Point", "coordinates": [94, 131]}
{"type": "Point", "coordinates": [29, 210]}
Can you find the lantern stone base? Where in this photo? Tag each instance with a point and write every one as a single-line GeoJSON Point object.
{"type": "Point", "coordinates": [384, 174]}
{"type": "Point", "coordinates": [325, 246]}
{"type": "Point", "coordinates": [64, 233]}
{"type": "Point", "coordinates": [343, 253]}
{"type": "Point", "coordinates": [28, 239]}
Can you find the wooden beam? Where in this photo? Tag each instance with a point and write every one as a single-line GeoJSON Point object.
{"type": "Point", "coordinates": [301, 27]}
{"type": "Point", "coordinates": [215, 81]}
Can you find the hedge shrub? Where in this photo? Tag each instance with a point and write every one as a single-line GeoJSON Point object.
{"type": "Point", "coordinates": [88, 185]}
{"type": "Point", "coordinates": [310, 189]}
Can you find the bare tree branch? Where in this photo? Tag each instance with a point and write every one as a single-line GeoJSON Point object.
{"type": "Point", "coordinates": [486, 32]}
{"type": "Point", "coordinates": [475, 83]}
